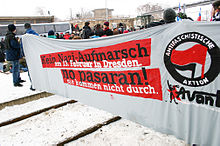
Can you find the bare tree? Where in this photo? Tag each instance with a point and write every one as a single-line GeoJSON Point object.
{"type": "Point", "coordinates": [84, 14]}
{"type": "Point", "coordinates": [148, 8]}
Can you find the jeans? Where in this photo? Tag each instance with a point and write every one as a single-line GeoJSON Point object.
{"type": "Point", "coordinates": [1, 66]}
{"type": "Point", "coordinates": [15, 71]}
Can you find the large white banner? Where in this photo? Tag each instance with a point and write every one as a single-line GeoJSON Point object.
{"type": "Point", "coordinates": [166, 77]}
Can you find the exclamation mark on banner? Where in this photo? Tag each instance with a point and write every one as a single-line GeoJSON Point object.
{"type": "Point", "coordinates": [145, 75]}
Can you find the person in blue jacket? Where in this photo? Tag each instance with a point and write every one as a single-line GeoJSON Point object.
{"type": "Point", "coordinates": [12, 47]}
{"type": "Point", "coordinates": [29, 30]}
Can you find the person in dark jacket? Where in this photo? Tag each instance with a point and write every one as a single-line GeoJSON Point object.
{"type": "Point", "coordinates": [107, 31]}
{"type": "Point", "coordinates": [98, 30]}
{"type": "Point", "coordinates": [121, 28]}
{"type": "Point", "coordinates": [87, 31]}
{"type": "Point", "coordinates": [216, 11]}
{"type": "Point", "coordinates": [169, 16]}
{"type": "Point", "coordinates": [153, 24]}
{"type": "Point", "coordinates": [13, 54]}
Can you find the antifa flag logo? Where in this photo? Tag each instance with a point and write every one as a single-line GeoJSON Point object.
{"type": "Point", "coordinates": [196, 63]}
{"type": "Point", "coordinates": [193, 55]}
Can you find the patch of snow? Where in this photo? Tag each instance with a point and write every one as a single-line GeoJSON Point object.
{"type": "Point", "coordinates": [9, 92]}
{"type": "Point", "coordinates": [126, 133]}
{"type": "Point", "coordinates": [52, 126]}
{"type": "Point", "coordinates": [15, 111]}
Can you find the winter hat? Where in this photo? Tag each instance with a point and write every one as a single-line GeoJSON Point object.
{"type": "Point", "coordinates": [169, 15]}
{"type": "Point", "coordinates": [11, 27]}
{"type": "Point", "coordinates": [106, 23]}
{"type": "Point", "coordinates": [51, 32]}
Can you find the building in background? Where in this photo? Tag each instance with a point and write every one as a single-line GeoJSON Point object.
{"type": "Point", "coordinates": [103, 13]}
{"type": "Point", "coordinates": [25, 19]}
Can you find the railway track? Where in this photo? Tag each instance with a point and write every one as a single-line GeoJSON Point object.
{"type": "Point", "coordinates": [28, 101]}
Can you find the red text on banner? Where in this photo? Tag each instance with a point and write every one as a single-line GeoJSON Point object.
{"type": "Point", "coordinates": [144, 83]}
{"type": "Point", "coordinates": [134, 53]}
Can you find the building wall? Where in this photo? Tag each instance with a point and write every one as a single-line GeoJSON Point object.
{"type": "Point", "coordinates": [101, 13]}
{"type": "Point", "coordinates": [22, 20]}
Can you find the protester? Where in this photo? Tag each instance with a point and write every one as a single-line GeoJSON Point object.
{"type": "Point", "coordinates": [169, 15]}
{"type": "Point", "coordinates": [57, 36]}
{"type": "Point", "coordinates": [87, 31]}
{"type": "Point", "coordinates": [2, 43]}
{"type": "Point", "coordinates": [99, 31]}
{"type": "Point", "coordinates": [153, 24]}
{"type": "Point", "coordinates": [126, 31]}
{"type": "Point", "coordinates": [71, 36]}
{"type": "Point", "coordinates": [107, 31]}
{"type": "Point", "coordinates": [115, 30]}
{"type": "Point", "coordinates": [27, 26]}
{"type": "Point", "coordinates": [13, 54]}
{"type": "Point", "coordinates": [216, 11]}
{"type": "Point", "coordinates": [184, 16]}
{"type": "Point", "coordinates": [2, 58]}
{"type": "Point", "coordinates": [66, 36]}
{"type": "Point", "coordinates": [51, 34]}
{"type": "Point", "coordinates": [2, 55]}
{"type": "Point", "coordinates": [29, 30]}
{"type": "Point", "coordinates": [61, 36]}
{"type": "Point", "coordinates": [76, 28]}
{"type": "Point", "coordinates": [121, 28]}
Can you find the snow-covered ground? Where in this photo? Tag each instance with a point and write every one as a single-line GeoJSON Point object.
{"type": "Point", "coordinates": [9, 92]}
{"type": "Point", "coordinates": [29, 107]}
{"type": "Point", "coordinates": [56, 125]}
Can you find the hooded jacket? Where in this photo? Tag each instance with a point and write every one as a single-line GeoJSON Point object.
{"type": "Point", "coordinates": [31, 31]}
{"type": "Point", "coordinates": [108, 31]}
{"type": "Point", "coordinates": [12, 47]}
{"type": "Point", "coordinates": [86, 32]}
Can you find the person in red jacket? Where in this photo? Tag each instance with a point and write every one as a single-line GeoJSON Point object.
{"type": "Point", "coordinates": [66, 36]}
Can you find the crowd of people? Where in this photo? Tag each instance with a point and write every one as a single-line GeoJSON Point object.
{"type": "Point", "coordinates": [87, 32]}
{"type": "Point", "coordinates": [12, 50]}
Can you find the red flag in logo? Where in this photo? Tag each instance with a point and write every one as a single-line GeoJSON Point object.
{"type": "Point", "coordinates": [195, 54]}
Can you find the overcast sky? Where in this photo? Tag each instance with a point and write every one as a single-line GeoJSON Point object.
{"type": "Point", "coordinates": [61, 8]}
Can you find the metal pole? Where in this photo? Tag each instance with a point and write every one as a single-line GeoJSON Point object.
{"type": "Point", "coordinates": [106, 11]}
{"type": "Point", "coordinates": [184, 8]}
